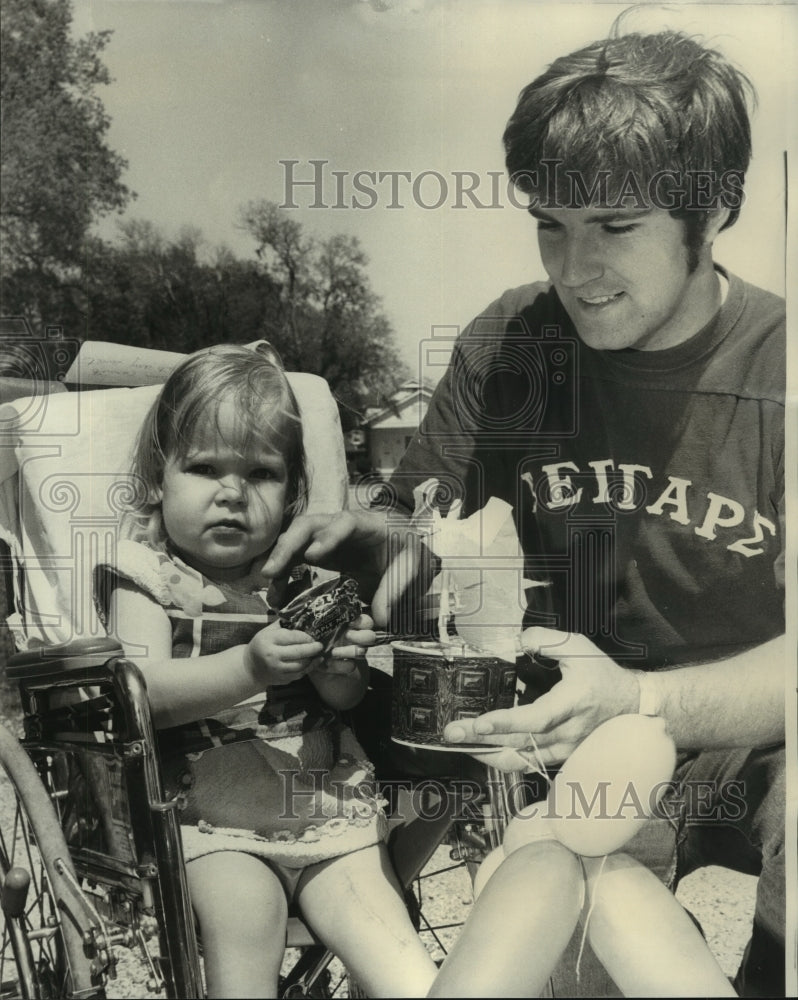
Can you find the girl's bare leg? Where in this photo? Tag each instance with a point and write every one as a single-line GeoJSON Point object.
{"type": "Point", "coordinates": [242, 912]}
{"type": "Point", "coordinates": [644, 938]}
{"type": "Point", "coordinates": [354, 904]}
{"type": "Point", "coordinates": [521, 922]}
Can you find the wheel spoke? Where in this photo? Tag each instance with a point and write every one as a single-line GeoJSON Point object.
{"type": "Point", "coordinates": [32, 954]}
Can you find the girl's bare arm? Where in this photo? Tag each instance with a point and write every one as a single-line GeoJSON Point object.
{"type": "Point", "coordinates": [185, 689]}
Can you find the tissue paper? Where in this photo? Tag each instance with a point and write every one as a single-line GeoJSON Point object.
{"type": "Point", "coordinates": [481, 580]}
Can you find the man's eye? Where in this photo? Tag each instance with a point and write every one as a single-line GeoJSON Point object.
{"type": "Point", "coordinates": [620, 229]}
{"type": "Point", "coordinates": [547, 227]}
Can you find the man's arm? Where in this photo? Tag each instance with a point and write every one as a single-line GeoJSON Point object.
{"type": "Point", "coordinates": [736, 702]}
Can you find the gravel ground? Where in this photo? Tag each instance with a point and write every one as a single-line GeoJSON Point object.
{"type": "Point", "coordinates": [721, 900]}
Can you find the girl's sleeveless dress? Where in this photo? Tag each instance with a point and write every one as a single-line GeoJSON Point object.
{"type": "Point", "coordinates": [279, 775]}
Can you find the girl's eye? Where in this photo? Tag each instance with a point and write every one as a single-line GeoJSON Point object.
{"type": "Point", "coordinates": [262, 474]}
{"type": "Point", "coordinates": [200, 469]}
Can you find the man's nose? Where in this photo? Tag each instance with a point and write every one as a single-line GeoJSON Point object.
{"type": "Point", "coordinates": [580, 262]}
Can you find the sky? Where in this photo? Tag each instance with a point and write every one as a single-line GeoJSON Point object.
{"type": "Point", "coordinates": [210, 98]}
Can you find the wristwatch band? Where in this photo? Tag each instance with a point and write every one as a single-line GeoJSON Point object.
{"type": "Point", "coordinates": [649, 694]}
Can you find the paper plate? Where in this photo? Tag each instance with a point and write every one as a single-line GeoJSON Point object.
{"type": "Point", "coordinates": [450, 747]}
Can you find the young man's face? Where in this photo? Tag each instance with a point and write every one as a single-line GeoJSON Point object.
{"type": "Point", "coordinates": [623, 276]}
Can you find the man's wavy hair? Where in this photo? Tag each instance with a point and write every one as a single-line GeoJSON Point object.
{"type": "Point", "coordinates": [266, 411]}
{"type": "Point", "coordinates": [638, 103]}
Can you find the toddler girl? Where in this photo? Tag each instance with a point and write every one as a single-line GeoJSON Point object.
{"type": "Point", "coordinates": [277, 799]}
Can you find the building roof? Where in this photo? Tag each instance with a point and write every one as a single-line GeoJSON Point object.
{"type": "Point", "coordinates": [406, 408]}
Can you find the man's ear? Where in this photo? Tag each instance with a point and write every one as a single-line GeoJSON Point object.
{"type": "Point", "coordinates": [716, 220]}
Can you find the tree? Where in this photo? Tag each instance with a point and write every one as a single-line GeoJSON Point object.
{"type": "Point", "coordinates": [176, 295]}
{"type": "Point", "coordinates": [286, 255]}
{"type": "Point", "coordinates": [329, 320]}
{"type": "Point", "coordinates": [58, 174]}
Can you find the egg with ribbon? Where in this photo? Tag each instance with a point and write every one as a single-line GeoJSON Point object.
{"type": "Point", "coordinates": [611, 784]}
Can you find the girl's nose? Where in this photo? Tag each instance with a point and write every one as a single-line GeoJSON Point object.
{"type": "Point", "coordinates": [231, 490]}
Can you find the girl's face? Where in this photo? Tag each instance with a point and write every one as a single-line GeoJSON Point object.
{"type": "Point", "coordinates": [223, 506]}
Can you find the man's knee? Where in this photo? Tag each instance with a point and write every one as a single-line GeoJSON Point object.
{"type": "Point", "coordinates": [771, 813]}
{"type": "Point", "coordinates": [736, 820]}
{"type": "Point", "coordinates": [547, 864]}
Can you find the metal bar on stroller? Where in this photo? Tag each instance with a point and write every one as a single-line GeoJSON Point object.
{"type": "Point", "coordinates": [90, 664]}
{"type": "Point", "coordinates": [181, 939]}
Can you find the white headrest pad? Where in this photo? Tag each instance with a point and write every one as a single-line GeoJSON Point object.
{"type": "Point", "coordinates": [73, 454]}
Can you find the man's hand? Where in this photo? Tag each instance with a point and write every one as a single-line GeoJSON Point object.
{"type": "Point", "coordinates": [593, 689]}
{"type": "Point", "coordinates": [377, 548]}
{"type": "Point", "coordinates": [352, 543]}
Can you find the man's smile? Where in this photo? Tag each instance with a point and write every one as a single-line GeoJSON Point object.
{"type": "Point", "coordinates": [598, 300]}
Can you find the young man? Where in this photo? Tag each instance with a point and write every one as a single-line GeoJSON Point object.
{"type": "Point", "coordinates": [632, 413]}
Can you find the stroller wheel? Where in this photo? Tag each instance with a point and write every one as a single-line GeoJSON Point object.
{"type": "Point", "coordinates": [42, 952]}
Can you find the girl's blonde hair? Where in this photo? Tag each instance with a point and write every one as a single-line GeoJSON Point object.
{"type": "Point", "coordinates": [265, 409]}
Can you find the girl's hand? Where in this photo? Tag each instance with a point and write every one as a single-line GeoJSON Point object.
{"type": "Point", "coordinates": [337, 667]}
{"type": "Point", "coordinates": [341, 678]}
{"type": "Point", "coordinates": [277, 655]}
{"type": "Point", "coordinates": [357, 639]}
{"type": "Point", "coordinates": [341, 660]}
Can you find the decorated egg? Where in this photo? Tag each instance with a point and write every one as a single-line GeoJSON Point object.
{"type": "Point", "coordinates": [487, 869]}
{"type": "Point", "coordinates": [611, 784]}
{"type": "Point", "coordinates": [528, 825]}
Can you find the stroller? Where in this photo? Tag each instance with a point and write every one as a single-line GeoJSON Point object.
{"type": "Point", "coordinates": [90, 851]}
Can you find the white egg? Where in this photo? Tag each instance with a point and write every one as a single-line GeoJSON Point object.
{"type": "Point", "coordinates": [611, 784]}
{"type": "Point", "coordinates": [486, 870]}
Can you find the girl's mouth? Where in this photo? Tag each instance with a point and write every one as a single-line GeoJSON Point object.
{"type": "Point", "coordinates": [228, 526]}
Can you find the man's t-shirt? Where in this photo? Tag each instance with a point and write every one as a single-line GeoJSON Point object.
{"type": "Point", "coordinates": [647, 486]}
